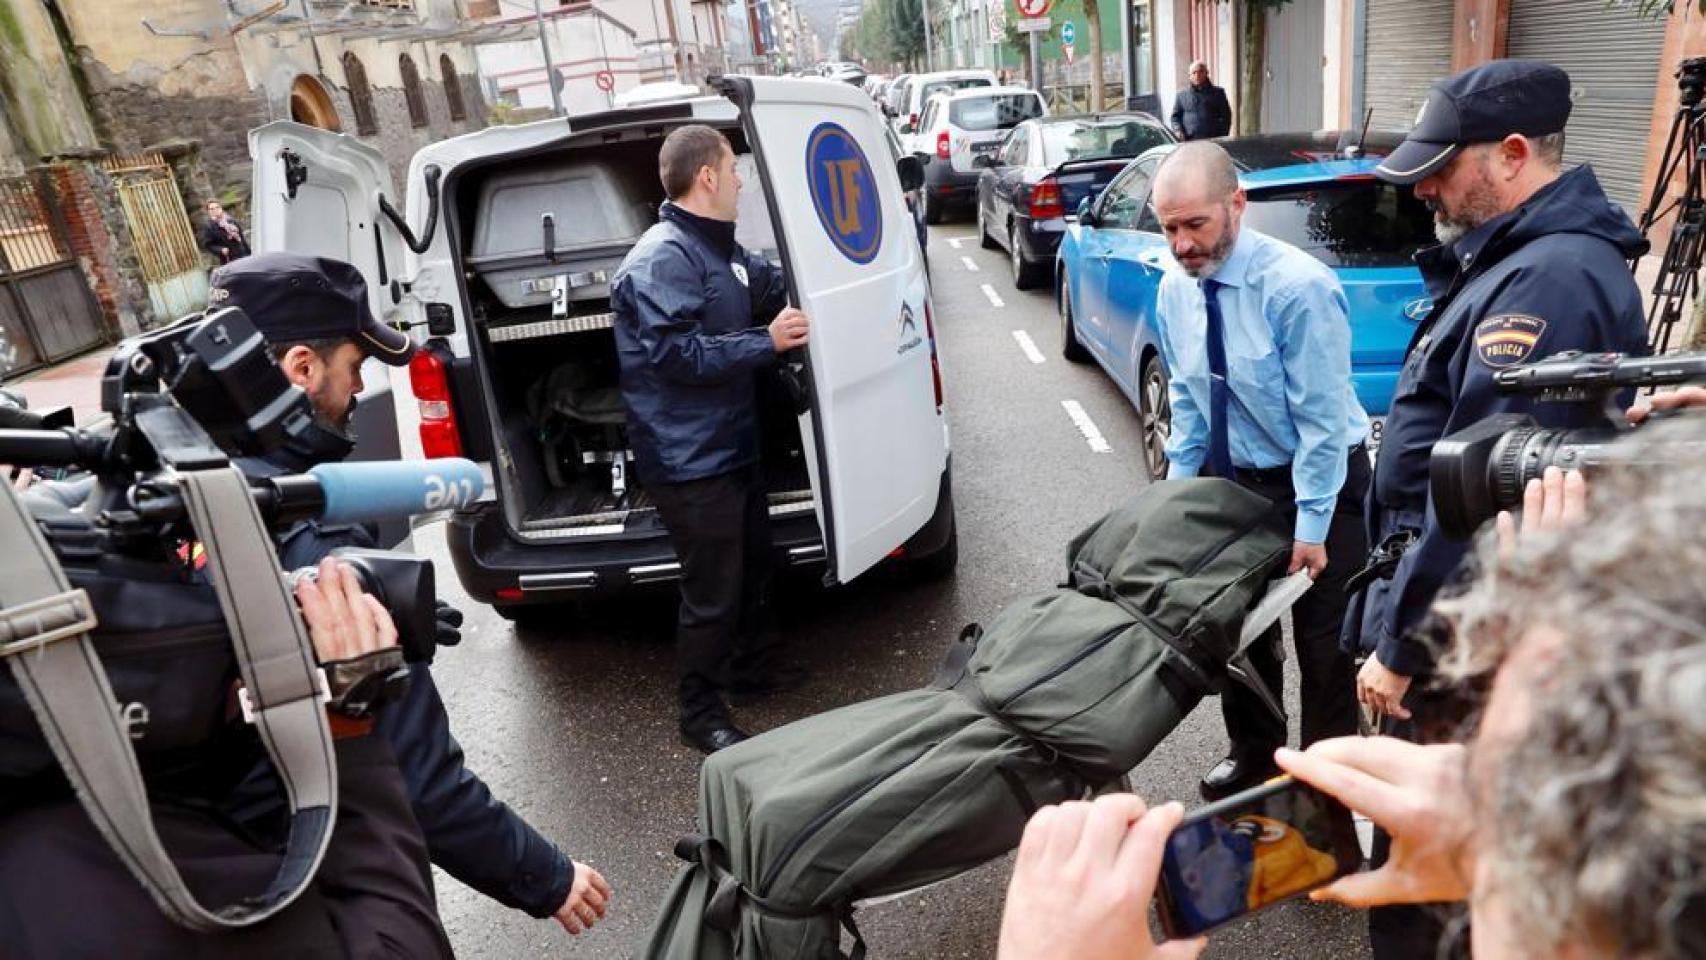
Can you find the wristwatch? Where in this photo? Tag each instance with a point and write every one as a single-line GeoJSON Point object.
{"type": "Point", "coordinates": [356, 686]}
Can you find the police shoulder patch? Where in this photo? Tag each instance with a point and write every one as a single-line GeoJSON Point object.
{"type": "Point", "coordinates": [1508, 339]}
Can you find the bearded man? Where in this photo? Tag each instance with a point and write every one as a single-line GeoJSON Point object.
{"type": "Point", "coordinates": [1257, 342]}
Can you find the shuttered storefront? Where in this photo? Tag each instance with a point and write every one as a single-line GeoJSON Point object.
{"type": "Point", "coordinates": [1612, 57]}
{"type": "Point", "coordinates": [1406, 47]}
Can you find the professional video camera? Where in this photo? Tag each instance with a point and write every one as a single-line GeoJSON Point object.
{"type": "Point", "coordinates": [144, 601]}
{"type": "Point", "coordinates": [1482, 469]}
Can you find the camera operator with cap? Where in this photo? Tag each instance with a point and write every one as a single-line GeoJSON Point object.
{"type": "Point", "coordinates": [1532, 261]}
{"type": "Point", "coordinates": [315, 316]}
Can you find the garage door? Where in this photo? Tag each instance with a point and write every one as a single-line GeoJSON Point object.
{"type": "Point", "coordinates": [1406, 47]}
{"type": "Point", "coordinates": [1612, 57]}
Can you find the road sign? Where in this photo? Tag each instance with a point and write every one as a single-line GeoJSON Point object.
{"type": "Point", "coordinates": [1035, 25]}
{"type": "Point", "coordinates": [997, 22]}
{"type": "Point", "coordinates": [1032, 9]}
{"type": "Point", "coordinates": [605, 80]}
{"type": "Point", "coordinates": [1068, 33]}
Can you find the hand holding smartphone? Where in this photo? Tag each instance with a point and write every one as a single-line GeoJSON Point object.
{"type": "Point", "coordinates": [1250, 851]}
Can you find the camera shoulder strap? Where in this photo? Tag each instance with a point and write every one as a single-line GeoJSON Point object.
{"type": "Point", "coordinates": [44, 639]}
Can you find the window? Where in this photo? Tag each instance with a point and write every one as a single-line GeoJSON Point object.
{"type": "Point", "coordinates": [1013, 154]}
{"type": "Point", "coordinates": [1098, 140]}
{"type": "Point", "coordinates": [360, 95]}
{"type": "Point", "coordinates": [1123, 204]}
{"type": "Point", "coordinates": [994, 113]}
{"type": "Point", "coordinates": [452, 88]}
{"type": "Point", "coordinates": [1345, 223]}
{"type": "Point", "coordinates": [412, 90]}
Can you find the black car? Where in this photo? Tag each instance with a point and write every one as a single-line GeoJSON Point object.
{"type": "Point", "coordinates": [1044, 167]}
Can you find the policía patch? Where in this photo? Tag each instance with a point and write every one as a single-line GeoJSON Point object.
{"type": "Point", "coordinates": [1508, 339]}
{"type": "Point", "coordinates": [844, 192]}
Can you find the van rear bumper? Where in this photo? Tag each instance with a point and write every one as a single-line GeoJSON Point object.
{"type": "Point", "coordinates": [489, 558]}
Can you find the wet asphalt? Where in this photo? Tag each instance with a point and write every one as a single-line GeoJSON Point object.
{"type": "Point", "coordinates": [574, 727]}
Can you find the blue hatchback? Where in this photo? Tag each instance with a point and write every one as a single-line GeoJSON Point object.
{"type": "Point", "coordinates": [1301, 191]}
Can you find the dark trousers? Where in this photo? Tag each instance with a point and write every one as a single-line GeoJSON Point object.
{"type": "Point", "coordinates": [720, 528]}
{"type": "Point", "coordinates": [1327, 674]}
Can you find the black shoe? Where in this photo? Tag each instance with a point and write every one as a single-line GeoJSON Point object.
{"type": "Point", "coordinates": [1238, 772]}
{"type": "Point", "coordinates": [712, 739]}
{"type": "Point", "coordinates": [745, 691]}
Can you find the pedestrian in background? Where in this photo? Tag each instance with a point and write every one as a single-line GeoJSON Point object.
{"type": "Point", "coordinates": [1200, 111]}
{"type": "Point", "coordinates": [222, 236]}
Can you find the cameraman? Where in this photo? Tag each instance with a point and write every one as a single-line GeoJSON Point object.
{"type": "Point", "coordinates": [314, 313]}
{"type": "Point", "coordinates": [64, 892]}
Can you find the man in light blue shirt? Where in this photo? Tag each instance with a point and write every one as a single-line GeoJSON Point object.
{"type": "Point", "coordinates": [1257, 344]}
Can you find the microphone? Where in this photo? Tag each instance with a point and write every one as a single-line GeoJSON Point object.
{"type": "Point", "coordinates": [381, 489]}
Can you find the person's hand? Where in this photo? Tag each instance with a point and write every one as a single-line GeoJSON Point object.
{"type": "Point", "coordinates": [1381, 690]}
{"type": "Point", "coordinates": [1083, 881]}
{"type": "Point", "coordinates": [1308, 556]}
{"type": "Point", "coordinates": [789, 330]}
{"type": "Point", "coordinates": [448, 623]}
{"type": "Point", "coordinates": [589, 897]}
{"type": "Point", "coordinates": [1417, 794]}
{"type": "Point", "coordinates": [343, 622]}
{"type": "Point", "coordinates": [1672, 400]}
{"type": "Point", "coordinates": [1556, 500]}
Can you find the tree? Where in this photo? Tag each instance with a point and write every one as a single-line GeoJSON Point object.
{"type": "Point", "coordinates": [903, 28]}
{"type": "Point", "coordinates": [1253, 62]}
{"type": "Point", "coordinates": [1093, 23]}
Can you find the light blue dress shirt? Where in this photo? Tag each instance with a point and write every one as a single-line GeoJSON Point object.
{"type": "Point", "coordinates": [1288, 367]}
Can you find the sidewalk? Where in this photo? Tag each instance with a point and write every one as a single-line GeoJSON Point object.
{"type": "Point", "coordinates": [75, 382]}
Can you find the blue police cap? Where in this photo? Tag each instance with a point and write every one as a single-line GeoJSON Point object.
{"type": "Point", "coordinates": [291, 297]}
{"type": "Point", "coordinates": [1483, 104]}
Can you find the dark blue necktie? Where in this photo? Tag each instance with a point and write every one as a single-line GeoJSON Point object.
{"type": "Point", "coordinates": [1219, 448]}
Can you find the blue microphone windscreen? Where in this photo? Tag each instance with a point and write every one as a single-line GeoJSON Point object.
{"type": "Point", "coordinates": [382, 489]}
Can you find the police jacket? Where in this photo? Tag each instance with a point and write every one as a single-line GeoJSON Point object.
{"type": "Point", "coordinates": [1201, 112]}
{"type": "Point", "coordinates": [691, 309]}
{"type": "Point", "coordinates": [475, 837]}
{"type": "Point", "coordinates": [1550, 276]}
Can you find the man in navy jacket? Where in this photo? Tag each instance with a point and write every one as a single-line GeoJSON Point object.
{"type": "Point", "coordinates": [698, 318]}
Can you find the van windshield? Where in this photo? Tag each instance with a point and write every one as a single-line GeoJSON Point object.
{"type": "Point", "coordinates": [994, 113]}
{"type": "Point", "coordinates": [949, 86]}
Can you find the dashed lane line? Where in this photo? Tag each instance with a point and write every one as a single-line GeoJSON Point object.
{"type": "Point", "coordinates": [994, 299]}
{"type": "Point", "coordinates": [1029, 346]}
{"type": "Point", "coordinates": [970, 264]}
{"type": "Point", "coordinates": [1086, 426]}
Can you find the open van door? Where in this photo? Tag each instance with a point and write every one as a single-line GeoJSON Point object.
{"type": "Point", "coordinates": [317, 193]}
{"type": "Point", "coordinates": [854, 266]}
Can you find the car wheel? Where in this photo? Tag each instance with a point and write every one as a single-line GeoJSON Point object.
{"type": "Point", "coordinates": [1156, 414]}
{"type": "Point", "coordinates": [932, 208]}
{"type": "Point", "coordinates": [1070, 346]}
{"type": "Point", "coordinates": [1024, 271]}
{"type": "Point", "coordinates": [984, 240]}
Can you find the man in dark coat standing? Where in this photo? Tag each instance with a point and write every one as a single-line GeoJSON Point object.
{"type": "Point", "coordinates": [697, 319]}
{"type": "Point", "coordinates": [1200, 110]}
{"type": "Point", "coordinates": [221, 236]}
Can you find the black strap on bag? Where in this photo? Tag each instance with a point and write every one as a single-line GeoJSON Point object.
{"type": "Point", "coordinates": [44, 639]}
{"type": "Point", "coordinates": [729, 896]}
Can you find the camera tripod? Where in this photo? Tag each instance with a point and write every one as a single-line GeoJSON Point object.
{"type": "Point", "coordinates": [1678, 280]}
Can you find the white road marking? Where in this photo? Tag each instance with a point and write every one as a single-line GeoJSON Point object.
{"type": "Point", "coordinates": [955, 242]}
{"type": "Point", "coordinates": [1086, 426]}
{"type": "Point", "coordinates": [970, 264]}
{"type": "Point", "coordinates": [1029, 346]}
{"type": "Point", "coordinates": [994, 300]}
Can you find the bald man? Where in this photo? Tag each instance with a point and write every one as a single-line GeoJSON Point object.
{"type": "Point", "coordinates": [1200, 110]}
{"type": "Point", "coordinates": [1257, 343]}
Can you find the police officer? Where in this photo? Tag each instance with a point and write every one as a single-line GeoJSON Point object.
{"type": "Point", "coordinates": [314, 313]}
{"type": "Point", "coordinates": [697, 319]}
{"type": "Point", "coordinates": [1531, 261]}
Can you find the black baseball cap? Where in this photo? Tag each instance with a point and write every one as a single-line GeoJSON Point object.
{"type": "Point", "coordinates": [1483, 104]}
{"type": "Point", "coordinates": [293, 297]}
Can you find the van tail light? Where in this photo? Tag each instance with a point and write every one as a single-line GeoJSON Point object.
{"type": "Point", "coordinates": [1045, 200]}
{"type": "Point", "coordinates": [935, 361]}
{"type": "Point", "coordinates": [429, 378]}
{"type": "Point", "coordinates": [914, 121]}
{"type": "Point", "coordinates": [942, 145]}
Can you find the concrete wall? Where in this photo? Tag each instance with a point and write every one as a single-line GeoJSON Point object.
{"type": "Point", "coordinates": [582, 45]}
{"type": "Point", "coordinates": [41, 109]}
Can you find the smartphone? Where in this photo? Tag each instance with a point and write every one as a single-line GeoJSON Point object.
{"type": "Point", "coordinates": [1253, 850]}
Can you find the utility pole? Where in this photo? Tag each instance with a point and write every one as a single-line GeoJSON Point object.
{"type": "Point", "coordinates": [928, 43]}
{"type": "Point", "coordinates": [552, 79]}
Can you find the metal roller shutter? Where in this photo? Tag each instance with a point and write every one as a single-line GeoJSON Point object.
{"type": "Point", "coordinates": [1612, 57]}
{"type": "Point", "coordinates": [1406, 47]}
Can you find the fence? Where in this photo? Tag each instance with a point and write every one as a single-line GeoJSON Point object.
{"type": "Point", "coordinates": [172, 263]}
{"type": "Point", "coordinates": [46, 309]}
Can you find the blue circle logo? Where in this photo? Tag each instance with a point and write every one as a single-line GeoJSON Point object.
{"type": "Point", "coordinates": [844, 192]}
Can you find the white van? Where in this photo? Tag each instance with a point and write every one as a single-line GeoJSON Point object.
{"type": "Point", "coordinates": [502, 271]}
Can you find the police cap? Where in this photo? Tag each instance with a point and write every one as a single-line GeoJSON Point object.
{"type": "Point", "coordinates": [292, 297]}
{"type": "Point", "coordinates": [1483, 104]}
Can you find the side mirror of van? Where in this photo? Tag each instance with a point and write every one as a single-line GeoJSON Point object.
{"type": "Point", "coordinates": [1087, 212]}
{"type": "Point", "coordinates": [911, 171]}
{"type": "Point", "coordinates": [905, 129]}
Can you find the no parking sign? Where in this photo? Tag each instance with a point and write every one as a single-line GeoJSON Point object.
{"type": "Point", "coordinates": [605, 80]}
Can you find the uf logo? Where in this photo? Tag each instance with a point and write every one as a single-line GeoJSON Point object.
{"type": "Point", "coordinates": [844, 192]}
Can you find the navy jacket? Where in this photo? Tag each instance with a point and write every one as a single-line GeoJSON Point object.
{"type": "Point", "coordinates": [691, 309]}
{"type": "Point", "coordinates": [1552, 275]}
{"type": "Point", "coordinates": [1200, 114]}
{"type": "Point", "coordinates": [475, 837]}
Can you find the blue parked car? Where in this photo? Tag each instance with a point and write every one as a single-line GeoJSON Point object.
{"type": "Point", "coordinates": [1302, 191]}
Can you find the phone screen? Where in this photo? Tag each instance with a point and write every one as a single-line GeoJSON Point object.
{"type": "Point", "coordinates": [1251, 851]}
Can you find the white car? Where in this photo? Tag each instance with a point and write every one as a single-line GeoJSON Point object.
{"type": "Point", "coordinates": [501, 268]}
{"type": "Point", "coordinates": [956, 130]}
{"type": "Point", "coordinates": [921, 87]}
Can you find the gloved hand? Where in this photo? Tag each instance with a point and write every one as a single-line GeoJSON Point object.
{"type": "Point", "coordinates": [449, 623]}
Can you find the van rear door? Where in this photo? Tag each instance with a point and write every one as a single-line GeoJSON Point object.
{"type": "Point", "coordinates": [854, 266]}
